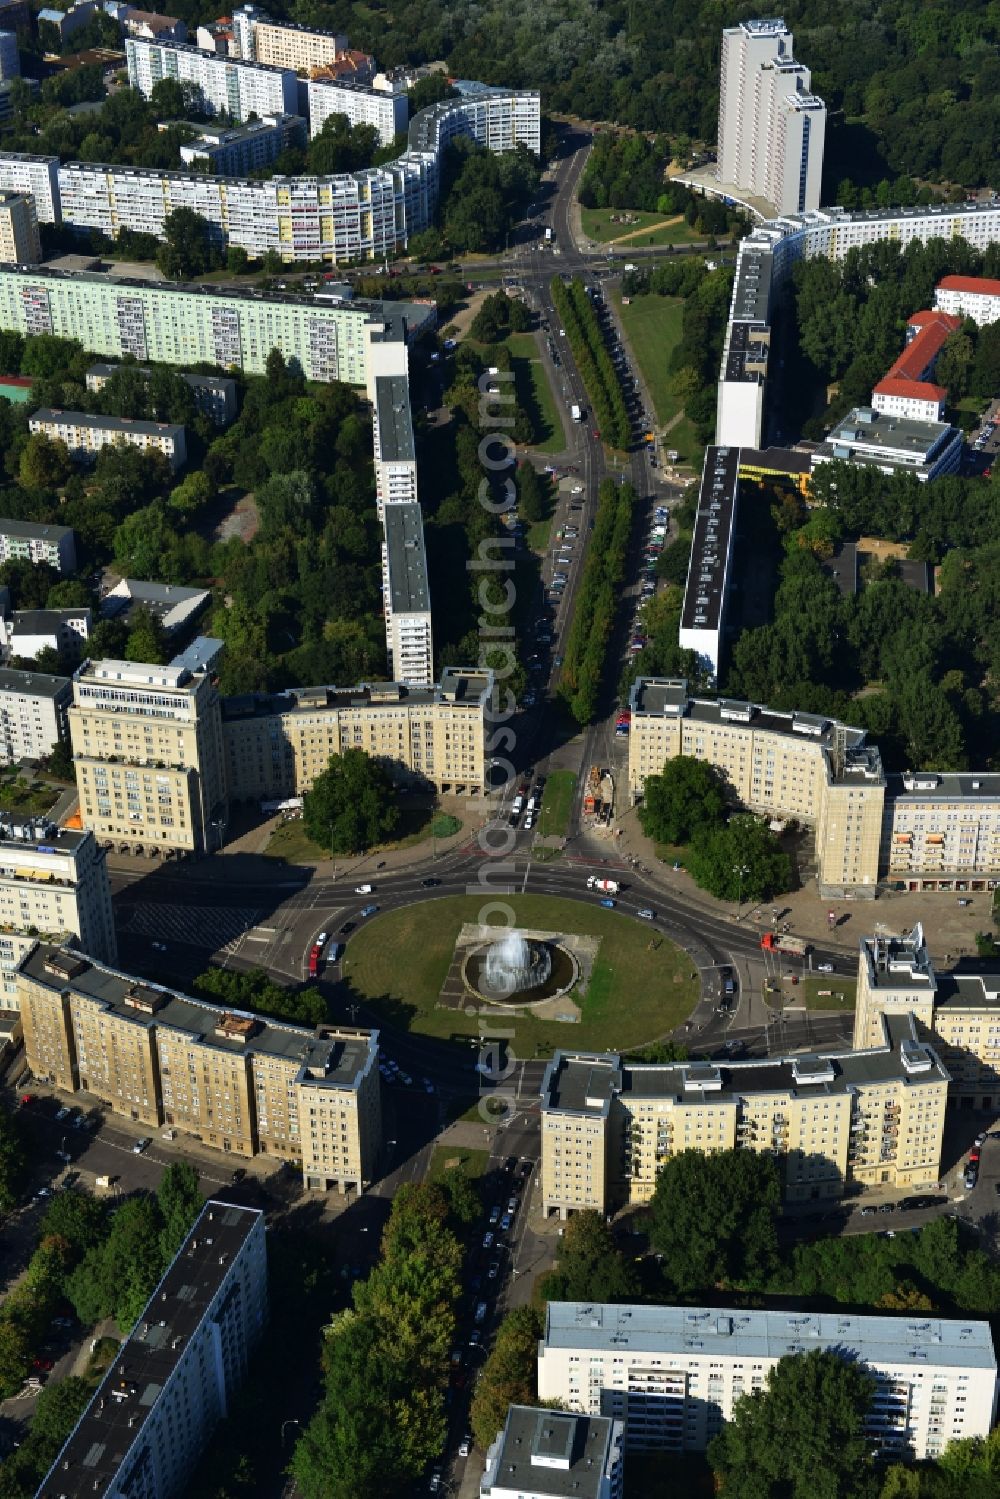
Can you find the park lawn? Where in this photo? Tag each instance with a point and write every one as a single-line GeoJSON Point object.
{"type": "Point", "coordinates": [642, 987]}
{"type": "Point", "coordinates": [843, 996]}
{"type": "Point", "coordinates": [445, 1158]}
{"type": "Point", "coordinates": [534, 390]}
{"type": "Point", "coordinates": [557, 804]}
{"type": "Point", "coordinates": [598, 225]}
{"type": "Point", "coordinates": [19, 793]}
{"type": "Point", "coordinates": [653, 327]}
{"type": "Point", "coordinates": [290, 841]}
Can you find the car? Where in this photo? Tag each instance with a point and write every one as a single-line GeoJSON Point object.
{"type": "Point", "coordinates": [42, 1193]}
{"type": "Point", "coordinates": [406, 1079]}
{"type": "Point", "coordinates": [239, 1175]}
{"type": "Point", "coordinates": [494, 1269]}
{"type": "Point", "coordinates": [824, 967]}
{"type": "Point", "coordinates": [141, 1145]}
{"type": "Point", "coordinates": [480, 1313]}
{"type": "Point", "coordinates": [867, 1212]}
{"type": "Point", "coordinates": [27, 1099]}
{"type": "Point", "coordinates": [970, 1179]}
{"type": "Point", "coordinates": [347, 927]}
{"type": "Point", "coordinates": [965, 902]}
{"type": "Point", "coordinates": [887, 1207]}
{"type": "Point", "coordinates": [61, 1114]}
{"type": "Point", "coordinates": [506, 1221]}
{"type": "Point", "coordinates": [435, 1482]}
{"type": "Point", "coordinates": [322, 939]}
{"type": "Point", "coordinates": [973, 1157]}
{"type": "Point", "coordinates": [982, 1137]}
{"type": "Point", "coordinates": [488, 1240]}
{"type": "Point", "coordinates": [429, 883]}
{"type": "Point", "coordinates": [368, 911]}
{"type": "Point", "coordinates": [79, 1122]}
{"type": "Point", "coordinates": [495, 1215]}
{"type": "Point", "coordinates": [465, 1446]}
{"type": "Point", "coordinates": [647, 913]}
{"type": "Point", "coordinates": [363, 889]}
{"type": "Point", "coordinates": [44, 1364]}
{"type": "Point", "coordinates": [608, 903]}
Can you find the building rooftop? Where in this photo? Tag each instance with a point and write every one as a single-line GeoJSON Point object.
{"type": "Point", "coordinates": [209, 57]}
{"type": "Point", "coordinates": [32, 683]}
{"type": "Point", "coordinates": [161, 599]}
{"type": "Point", "coordinates": [29, 530]}
{"type": "Point", "coordinates": [557, 1453]}
{"type": "Point", "coordinates": [51, 414]}
{"type": "Point", "coordinates": [45, 621]}
{"type": "Point", "coordinates": [747, 350]}
{"type": "Point", "coordinates": [752, 290]}
{"type": "Point", "coordinates": [981, 285]}
{"type": "Point", "coordinates": [208, 382]}
{"type": "Point", "coordinates": [922, 350]}
{"type": "Point", "coordinates": [90, 1460]}
{"type": "Point", "coordinates": [944, 785]}
{"type": "Point", "coordinates": [37, 835]}
{"type": "Point", "coordinates": [705, 591]}
{"type": "Point", "coordinates": [585, 1083]}
{"type": "Point", "coordinates": [457, 685]}
{"type": "Point", "coordinates": [886, 439]}
{"type": "Point", "coordinates": [332, 1058]}
{"type": "Point", "coordinates": [406, 559]}
{"type": "Point", "coordinates": [910, 390]}
{"type": "Point", "coordinates": [951, 1342]}
{"type": "Point", "coordinates": [395, 426]}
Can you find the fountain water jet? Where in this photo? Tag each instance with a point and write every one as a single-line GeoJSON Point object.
{"type": "Point", "coordinates": [514, 964]}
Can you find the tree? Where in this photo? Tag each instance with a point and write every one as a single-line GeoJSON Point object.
{"type": "Point", "coordinates": [742, 860]}
{"type": "Point", "coordinates": [712, 1218]}
{"type": "Point", "coordinates": [188, 247]}
{"type": "Point", "coordinates": [142, 542]}
{"type": "Point", "coordinates": [802, 1437]}
{"type": "Point", "coordinates": [45, 462]}
{"type": "Point", "coordinates": [254, 990]}
{"type": "Point", "coordinates": [352, 804]}
{"type": "Point", "coordinates": [167, 99]}
{"type": "Point", "coordinates": [685, 797]}
{"type": "Point", "coordinates": [13, 1161]}
{"type": "Point", "coordinates": [147, 639]}
{"type": "Point", "coordinates": [180, 1200]}
{"type": "Point", "coordinates": [77, 1217]}
{"type": "Point", "coordinates": [237, 260]}
{"type": "Point", "coordinates": [589, 1265]}
{"type": "Point", "coordinates": [531, 493]}
{"type": "Point", "coordinates": [509, 1374]}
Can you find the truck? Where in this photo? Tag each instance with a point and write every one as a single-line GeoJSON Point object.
{"type": "Point", "coordinates": [576, 412]}
{"type": "Point", "coordinates": [315, 953]}
{"type": "Point", "coordinates": [608, 887]}
{"type": "Point", "coordinates": [548, 236]}
{"type": "Point", "coordinates": [782, 942]}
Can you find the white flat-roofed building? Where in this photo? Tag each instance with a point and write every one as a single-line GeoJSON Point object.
{"type": "Point", "coordinates": [179, 1370]}
{"type": "Point", "coordinates": [34, 630]}
{"type": "Point", "coordinates": [85, 435]}
{"type": "Point", "coordinates": [388, 112]}
{"type": "Point", "coordinates": [547, 1454]}
{"type": "Point", "coordinates": [55, 881]}
{"type": "Point", "coordinates": [672, 1374]}
{"type": "Point", "coordinates": [408, 635]}
{"type": "Point", "coordinates": [224, 85]}
{"type": "Point", "coordinates": [30, 541]}
{"type": "Point", "coordinates": [706, 594]}
{"type": "Point", "coordinates": [395, 453]}
{"type": "Point", "coordinates": [975, 297]}
{"type": "Point", "coordinates": [33, 709]}
{"type": "Point", "coordinates": [893, 444]}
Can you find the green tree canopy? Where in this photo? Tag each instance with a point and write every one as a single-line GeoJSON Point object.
{"type": "Point", "coordinates": [742, 860]}
{"type": "Point", "coordinates": [712, 1219]}
{"type": "Point", "coordinates": [352, 804]}
{"type": "Point", "coordinates": [509, 1374]}
{"type": "Point", "coordinates": [684, 798]}
{"type": "Point", "coordinates": [589, 1265]}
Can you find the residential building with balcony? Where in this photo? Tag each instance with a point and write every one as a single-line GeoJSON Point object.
{"type": "Point", "coordinates": [409, 638]}
{"type": "Point", "coordinates": [941, 830]}
{"type": "Point", "coordinates": [33, 713]}
{"type": "Point", "coordinates": [85, 435]}
{"type": "Point", "coordinates": [223, 85]}
{"type": "Point", "coordinates": [975, 297]}
{"type": "Point", "coordinates": [388, 111]}
{"type": "Point", "coordinates": [29, 541]}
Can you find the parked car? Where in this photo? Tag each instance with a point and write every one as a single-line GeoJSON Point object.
{"type": "Point", "coordinates": [141, 1145]}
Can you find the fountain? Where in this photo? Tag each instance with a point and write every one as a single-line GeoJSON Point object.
{"type": "Point", "coordinates": [514, 964]}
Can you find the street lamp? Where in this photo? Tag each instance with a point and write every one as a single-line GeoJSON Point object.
{"type": "Point", "coordinates": [740, 871]}
{"type": "Point", "coordinates": [292, 1421]}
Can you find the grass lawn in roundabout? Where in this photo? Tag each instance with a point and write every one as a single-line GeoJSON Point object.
{"type": "Point", "coordinates": [397, 964]}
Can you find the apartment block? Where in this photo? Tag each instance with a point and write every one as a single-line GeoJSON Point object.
{"type": "Point", "coordinates": [388, 112]}
{"type": "Point", "coordinates": [27, 541]}
{"type": "Point", "coordinates": [706, 596]}
{"type": "Point", "coordinates": [224, 85]}
{"type": "Point", "coordinates": [797, 765]}
{"type": "Point", "coordinates": [408, 634]}
{"type": "Point", "coordinates": [147, 25]}
{"type": "Point", "coordinates": [52, 880]}
{"type": "Point", "coordinates": [214, 395]}
{"type": "Point", "coordinates": [941, 831]}
{"type": "Point", "coordinates": [36, 175]}
{"type": "Point", "coordinates": [975, 297]}
{"type": "Point", "coordinates": [246, 148]}
{"type": "Point", "coordinates": [548, 1454]}
{"type": "Point", "coordinates": [240, 1083]}
{"type": "Point", "coordinates": [147, 745]}
{"type": "Point", "coordinates": [85, 435]}
{"type": "Point", "coordinates": [175, 607]}
{"type": "Point", "coordinates": [276, 745]}
{"type": "Point", "coordinates": [282, 43]}
{"type": "Point", "coordinates": [959, 1012]}
{"type": "Point", "coordinates": [185, 326]}
{"type": "Point", "coordinates": [673, 1374]}
{"type": "Point", "coordinates": [178, 1372]}
{"type": "Point", "coordinates": [33, 713]}
{"type": "Point", "coordinates": [772, 127]}
{"type": "Point", "coordinates": [10, 60]}
{"type": "Point", "coordinates": [908, 389]}
{"type": "Point", "coordinates": [19, 239]}
{"type": "Point", "coordinates": [872, 1117]}
{"type": "Point", "coordinates": [395, 451]}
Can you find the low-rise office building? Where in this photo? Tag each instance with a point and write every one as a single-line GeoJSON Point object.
{"type": "Point", "coordinates": [147, 746]}
{"type": "Point", "coordinates": [28, 541]}
{"type": "Point", "coordinates": [549, 1454]}
{"type": "Point", "coordinates": [975, 297]}
{"type": "Point", "coordinates": [214, 395]}
{"type": "Point", "coordinates": [409, 640]}
{"type": "Point", "coordinates": [672, 1374]}
{"type": "Point", "coordinates": [33, 714]}
{"type": "Point", "coordinates": [237, 151]}
{"type": "Point", "coordinates": [224, 85]}
{"type": "Point", "coordinates": [52, 880]}
{"type": "Point", "coordinates": [893, 444]}
{"type": "Point", "coordinates": [238, 1082]}
{"type": "Point", "coordinates": [872, 1117]}
{"type": "Point", "coordinates": [387, 111]}
{"type": "Point", "coordinates": [178, 1372]}
{"type": "Point", "coordinates": [277, 744]}
{"type": "Point", "coordinates": [908, 389]}
{"type": "Point", "coordinates": [85, 435]}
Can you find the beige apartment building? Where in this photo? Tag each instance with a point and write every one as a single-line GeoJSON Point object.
{"type": "Point", "coordinates": [787, 765]}
{"type": "Point", "coordinates": [282, 45]}
{"type": "Point", "coordinates": [276, 746]}
{"type": "Point", "coordinates": [85, 435]}
{"type": "Point", "coordinates": [19, 239]}
{"type": "Point", "coordinates": [958, 1012]}
{"type": "Point", "coordinates": [942, 831]}
{"type": "Point", "coordinates": [240, 1083]}
{"type": "Point", "coordinates": [147, 744]}
{"type": "Point", "coordinates": [872, 1117]}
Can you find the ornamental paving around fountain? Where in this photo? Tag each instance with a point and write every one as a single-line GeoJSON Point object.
{"type": "Point", "coordinates": [537, 975]}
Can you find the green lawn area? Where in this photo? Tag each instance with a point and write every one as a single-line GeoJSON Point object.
{"type": "Point", "coordinates": [599, 224]}
{"type": "Point", "coordinates": [557, 804]}
{"type": "Point", "coordinates": [445, 1158]}
{"type": "Point", "coordinates": [838, 992]}
{"type": "Point", "coordinates": [534, 391]}
{"type": "Point", "coordinates": [653, 327]}
{"type": "Point", "coordinates": [20, 794]}
{"type": "Point", "coordinates": [290, 842]}
{"type": "Point", "coordinates": [641, 987]}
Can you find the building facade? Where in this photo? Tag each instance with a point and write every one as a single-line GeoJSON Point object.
{"type": "Point", "coordinates": [547, 1454]}
{"type": "Point", "coordinates": [277, 745]}
{"type": "Point", "coordinates": [214, 395]}
{"type": "Point", "coordinates": [246, 148]}
{"type": "Point", "coordinates": [240, 1083]}
{"type": "Point", "coordinates": [283, 44]}
{"type": "Point", "coordinates": [10, 59]}
{"type": "Point", "coordinates": [179, 1370]}
{"type": "Point", "coordinates": [672, 1374]}
{"type": "Point", "coordinates": [52, 880]}
{"type": "Point", "coordinates": [37, 175]}
{"type": "Point", "coordinates": [147, 746]}
{"type": "Point", "coordinates": [19, 238]}
{"type": "Point", "coordinates": [795, 765]}
{"type": "Point", "coordinates": [85, 435]}
{"type": "Point", "coordinates": [874, 1116]}
{"type": "Point", "coordinates": [975, 297]}
{"type": "Point", "coordinates": [941, 831]}
{"type": "Point", "coordinates": [224, 85]}
{"type": "Point", "coordinates": [34, 630]}
{"type": "Point", "coordinates": [894, 444]}
{"type": "Point", "coordinates": [28, 541]}
{"type": "Point", "coordinates": [388, 112]}
{"type": "Point", "coordinates": [33, 713]}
